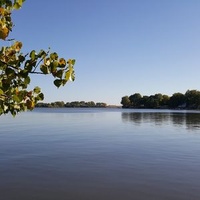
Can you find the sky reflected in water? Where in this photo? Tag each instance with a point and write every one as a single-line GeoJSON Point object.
{"type": "Point", "coordinates": [100, 154]}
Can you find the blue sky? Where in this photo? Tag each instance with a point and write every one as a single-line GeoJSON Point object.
{"type": "Point", "coordinates": [120, 47]}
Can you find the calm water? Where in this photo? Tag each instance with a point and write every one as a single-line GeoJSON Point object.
{"type": "Point", "coordinates": [100, 154]}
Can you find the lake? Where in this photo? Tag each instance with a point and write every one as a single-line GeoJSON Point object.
{"type": "Point", "coordinates": [100, 154]}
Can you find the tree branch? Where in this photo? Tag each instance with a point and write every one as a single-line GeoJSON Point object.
{"type": "Point", "coordinates": [33, 72]}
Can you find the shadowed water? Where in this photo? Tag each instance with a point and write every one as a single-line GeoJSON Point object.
{"type": "Point", "coordinates": [100, 154]}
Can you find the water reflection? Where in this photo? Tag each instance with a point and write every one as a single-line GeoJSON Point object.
{"type": "Point", "coordinates": [183, 119]}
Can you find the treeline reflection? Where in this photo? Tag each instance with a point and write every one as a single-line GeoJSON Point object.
{"type": "Point", "coordinates": [187, 120]}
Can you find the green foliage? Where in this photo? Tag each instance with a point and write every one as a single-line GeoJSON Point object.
{"type": "Point", "coordinates": [126, 102]}
{"type": "Point", "coordinates": [189, 100]}
{"type": "Point", "coordinates": [16, 68]}
{"type": "Point", "coordinates": [83, 104]}
{"type": "Point", "coordinates": [177, 99]}
{"type": "Point", "coordinates": [135, 99]}
{"type": "Point", "coordinates": [192, 98]}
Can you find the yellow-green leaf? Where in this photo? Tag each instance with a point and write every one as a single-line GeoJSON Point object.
{"type": "Point", "coordinates": [1, 92]}
{"type": "Point", "coordinates": [32, 55]}
{"type": "Point", "coordinates": [37, 90]}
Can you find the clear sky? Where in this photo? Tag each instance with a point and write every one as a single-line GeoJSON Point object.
{"type": "Point", "coordinates": [121, 46]}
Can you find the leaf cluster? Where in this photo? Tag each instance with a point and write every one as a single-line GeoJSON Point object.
{"type": "Point", "coordinates": [16, 68]}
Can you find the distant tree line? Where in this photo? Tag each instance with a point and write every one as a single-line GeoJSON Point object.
{"type": "Point", "coordinates": [189, 100]}
{"type": "Point", "coordinates": [73, 104]}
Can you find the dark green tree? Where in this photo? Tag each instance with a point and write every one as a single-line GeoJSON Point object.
{"type": "Point", "coordinates": [125, 102]}
{"type": "Point", "coordinates": [135, 100]}
{"type": "Point", "coordinates": [152, 102]}
{"type": "Point", "coordinates": [176, 100]}
{"type": "Point", "coordinates": [165, 100]}
{"type": "Point", "coordinates": [192, 98]}
{"type": "Point", "coordinates": [91, 104]}
{"type": "Point", "coordinates": [101, 104]}
{"type": "Point", "coordinates": [158, 100]}
{"type": "Point", "coordinates": [144, 101]}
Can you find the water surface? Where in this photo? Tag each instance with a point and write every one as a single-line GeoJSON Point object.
{"type": "Point", "coordinates": [99, 154]}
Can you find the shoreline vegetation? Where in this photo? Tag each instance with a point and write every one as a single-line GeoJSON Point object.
{"type": "Point", "coordinates": [188, 101]}
{"type": "Point", "coordinates": [75, 104]}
